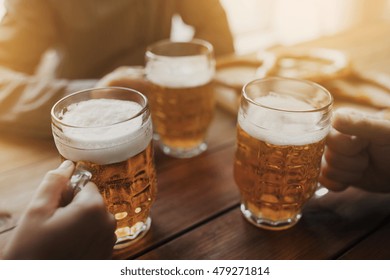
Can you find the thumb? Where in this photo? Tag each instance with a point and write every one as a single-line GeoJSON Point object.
{"type": "Point", "coordinates": [373, 127]}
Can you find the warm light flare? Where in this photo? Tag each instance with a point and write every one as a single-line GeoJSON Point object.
{"type": "Point", "coordinates": [2, 9]}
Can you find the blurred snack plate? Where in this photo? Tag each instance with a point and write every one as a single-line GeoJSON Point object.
{"type": "Point", "coordinates": [361, 89]}
{"type": "Point", "coordinates": [234, 72]}
{"type": "Point", "coordinates": [316, 64]}
{"type": "Point", "coordinates": [328, 67]}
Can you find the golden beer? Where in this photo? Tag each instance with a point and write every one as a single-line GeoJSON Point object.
{"type": "Point", "coordinates": [181, 95]}
{"type": "Point", "coordinates": [275, 181]}
{"type": "Point", "coordinates": [181, 116]}
{"type": "Point", "coordinates": [112, 139]}
{"type": "Point", "coordinates": [282, 125]}
{"type": "Point", "coordinates": [129, 190]}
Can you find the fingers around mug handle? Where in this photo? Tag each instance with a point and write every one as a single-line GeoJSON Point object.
{"type": "Point", "coordinates": [80, 177]}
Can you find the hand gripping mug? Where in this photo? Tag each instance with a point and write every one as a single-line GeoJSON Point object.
{"type": "Point", "coordinates": [282, 125]}
{"type": "Point", "coordinates": [108, 133]}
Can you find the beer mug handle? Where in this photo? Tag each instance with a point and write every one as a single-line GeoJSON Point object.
{"type": "Point", "coordinates": [79, 179]}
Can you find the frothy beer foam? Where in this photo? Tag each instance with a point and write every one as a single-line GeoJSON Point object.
{"type": "Point", "coordinates": [279, 127]}
{"type": "Point", "coordinates": [180, 72]}
{"type": "Point", "coordinates": [103, 131]}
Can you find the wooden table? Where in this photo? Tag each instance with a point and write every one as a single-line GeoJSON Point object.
{"type": "Point", "coordinates": [196, 215]}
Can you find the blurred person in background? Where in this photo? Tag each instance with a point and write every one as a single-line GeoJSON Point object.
{"type": "Point", "coordinates": [90, 39]}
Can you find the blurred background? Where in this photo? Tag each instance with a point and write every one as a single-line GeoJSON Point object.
{"type": "Point", "coordinates": [258, 24]}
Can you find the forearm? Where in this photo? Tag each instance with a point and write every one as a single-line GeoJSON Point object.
{"type": "Point", "coordinates": [210, 22]}
{"type": "Point", "coordinates": [25, 101]}
{"type": "Point", "coordinates": [221, 40]}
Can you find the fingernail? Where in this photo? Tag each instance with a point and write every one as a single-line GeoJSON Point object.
{"type": "Point", "coordinates": [66, 164]}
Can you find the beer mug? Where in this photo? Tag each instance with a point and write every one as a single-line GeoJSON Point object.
{"type": "Point", "coordinates": [108, 133]}
{"type": "Point", "coordinates": [178, 79]}
{"type": "Point", "coordinates": [181, 95]}
{"type": "Point", "coordinates": [281, 130]}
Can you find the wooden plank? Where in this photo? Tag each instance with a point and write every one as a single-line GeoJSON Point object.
{"type": "Point", "coordinates": [330, 225]}
{"type": "Point", "coordinates": [188, 195]}
{"type": "Point", "coordinates": [17, 187]}
{"type": "Point", "coordinates": [16, 152]}
{"type": "Point", "coordinates": [375, 246]}
{"type": "Point", "coordinates": [222, 132]}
